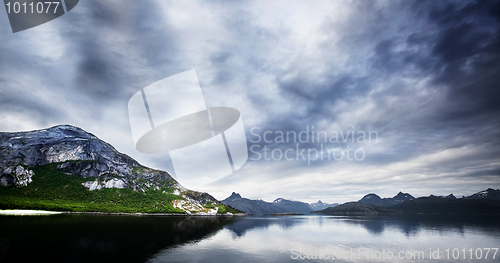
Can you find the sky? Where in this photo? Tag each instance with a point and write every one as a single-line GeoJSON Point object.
{"type": "Point", "coordinates": [421, 77]}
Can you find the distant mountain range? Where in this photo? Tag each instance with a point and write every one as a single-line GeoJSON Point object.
{"type": "Point", "coordinates": [484, 202]}
{"type": "Point", "coordinates": [280, 205]}
{"type": "Point", "coordinates": [448, 205]}
{"type": "Point", "coordinates": [357, 208]}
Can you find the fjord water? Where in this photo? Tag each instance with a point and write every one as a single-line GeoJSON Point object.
{"type": "Point", "coordinates": [312, 238]}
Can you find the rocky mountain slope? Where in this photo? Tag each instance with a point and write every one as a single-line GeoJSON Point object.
{"type": "Point", "coordinates": [92, 163]}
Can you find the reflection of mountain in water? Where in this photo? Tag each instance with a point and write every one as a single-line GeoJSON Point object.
{"type": "Point", "coordinates": [414, 224]}
{"type": "Point", "coordinates": [88, 238]}
{"type": "Point", "coordinates": [241, 226]}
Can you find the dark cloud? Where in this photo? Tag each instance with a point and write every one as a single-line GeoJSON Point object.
{"type": "Point", "coordinates": [107, 67]}
{"type": "Point", "coordinates": [466, 52]}
{"type": "Point", "coordinates": [97, 75]}
{"type": "Point", "coordinates": [454, 45]}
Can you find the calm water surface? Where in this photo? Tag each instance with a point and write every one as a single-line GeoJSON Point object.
{"type": "Point", "coordinates": [89, 238]}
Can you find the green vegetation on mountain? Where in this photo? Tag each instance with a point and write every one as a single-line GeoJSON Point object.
{"type": "Point", "coordinates": [52, 189]}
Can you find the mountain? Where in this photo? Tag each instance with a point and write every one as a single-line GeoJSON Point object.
{"type": "Point", "coordinates": [374, 199]}
{"type": "Point", "coordinates": [289, 206]}
{"type": "Point", "coordinates": [371, 199]}
{"type": "Point", "coordinates": [280, 205]}
{"type": "Point", "coordinates": [251, 206]}
{"type": "Point", "coordinates": [67, 168]}
{"type": "Point", "coordinates": [357, 208]}
{"type": "Point", "coordinates": [450, 196]}
{"type": "Point", "coordinates": [489, 193]}
{"type": "Point", "coordinates": [481, 203]}
{"type": "Point", "coordinates": [320, 205]}
{"type": "Point", "coordinates": [76, 152]}
{"type": "Point", "coordinates": [449, 205]}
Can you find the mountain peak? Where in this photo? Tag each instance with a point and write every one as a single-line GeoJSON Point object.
{"type": "Point", "coordinates": [279, 200]}
{"type": "Point", "coordinates": [320, 205]}
{"type": "Point", "coordinates": [403, 196]}
{"type": "Point", "coordinates": [67, 130]}
{"type": "Point", "coordinates": [374, 199]}
{"type": "Point", "coordinates": [52, 135]}
{"type": "Point", "coordinates": [59, 144]}
{"type": "Point", "coordinates": [64, 127]}
{"type": "Point", "coordinates": [450, 196]}
{"type": "Point", "coordinates": [489, 193]}
{"type": "Point", "coordinates": [234, 195]}
{"type": "Point", "coordinates": [371, 196]}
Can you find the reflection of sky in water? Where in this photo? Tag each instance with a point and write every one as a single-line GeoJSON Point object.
{"type": "Point", "coordinates": [272, 239]}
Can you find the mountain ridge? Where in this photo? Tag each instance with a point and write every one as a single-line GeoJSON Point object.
{"type": "Point", "coordinates": [374, 199]}
{"type": "Point", "coordinates": [357, 208]}
{"type": "Point", "coordinates": [279, 206]}
{"type": "Point", "coordinates": [480, 203]}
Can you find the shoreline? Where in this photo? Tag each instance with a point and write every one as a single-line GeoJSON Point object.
{"type": "Point", "coordinates": [22, 212]}
{"type": "Point", "coordinates": [28, 212]}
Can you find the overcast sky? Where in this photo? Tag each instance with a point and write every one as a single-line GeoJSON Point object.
{"type": "Point", "coordinates": [423, 75]}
